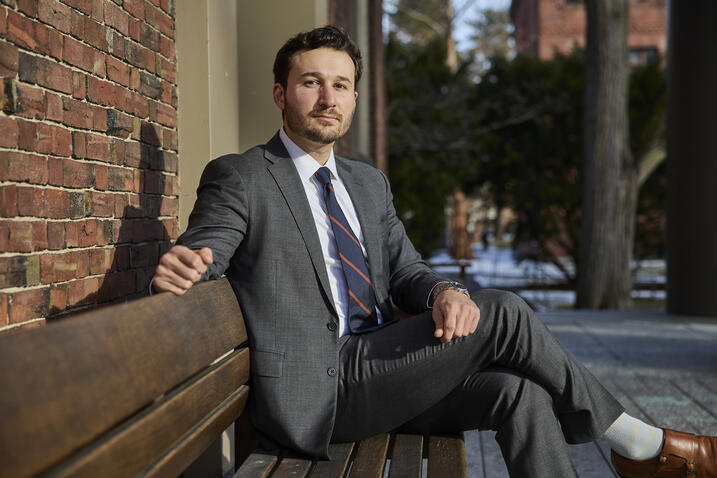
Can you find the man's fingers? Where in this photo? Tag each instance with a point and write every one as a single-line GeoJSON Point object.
{"type": "Point", "coordinates": [438, 320]}
{"type": "Point", "coordinates": [161, 285]}
{"type": "Point", "coordinates": [449, 324]}
{"type": "Point", "coordinates": [206, 255]}
{"type": "Point", "coordinates": [169, 276]}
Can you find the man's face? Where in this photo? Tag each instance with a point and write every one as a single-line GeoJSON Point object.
{"type": "Point", "coordinates": [320, 98]}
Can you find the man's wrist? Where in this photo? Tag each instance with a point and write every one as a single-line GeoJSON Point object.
{"type": "Point", "coordinates": [443, 286]}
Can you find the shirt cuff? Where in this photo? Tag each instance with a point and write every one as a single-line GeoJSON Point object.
{"type": "Point", "coordinates": [429, 306]}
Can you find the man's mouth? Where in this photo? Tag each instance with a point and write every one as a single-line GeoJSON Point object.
{"type": "Point", "coordinates": [325, 117]}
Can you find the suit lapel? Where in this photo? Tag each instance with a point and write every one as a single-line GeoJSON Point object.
{"type": "Point", "coordinates": [366, 209]}
{"type": "Point", "coordinates": [289, 183]}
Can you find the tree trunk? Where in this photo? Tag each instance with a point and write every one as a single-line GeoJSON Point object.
{"type": "Point", "coordinates": [610, 189]}
{"type": "Point", "coordinates": [460, 241]}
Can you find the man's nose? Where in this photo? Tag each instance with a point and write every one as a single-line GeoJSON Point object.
{"type": "Point", "coordinates": [327, 96]}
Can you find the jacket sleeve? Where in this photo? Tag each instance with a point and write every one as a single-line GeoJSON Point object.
{"type": "Point", "coordinates": [220, 215]}
{"type": "Point", "coordinates": [411, 279]}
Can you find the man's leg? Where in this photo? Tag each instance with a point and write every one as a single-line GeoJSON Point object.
{"type": "Point", "coordinates": [520, 410]}
{"type": "Point", "coordinates": [392, 375]}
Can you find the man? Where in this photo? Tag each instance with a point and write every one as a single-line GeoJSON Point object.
{"type": "Point", "coordinates": [317, 257]}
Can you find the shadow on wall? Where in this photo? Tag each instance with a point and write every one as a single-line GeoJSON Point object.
{"type": "Point", "coordinates": [139, 236]}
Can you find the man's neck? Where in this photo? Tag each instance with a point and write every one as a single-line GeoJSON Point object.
{"type": "Point", "coordinates": [320, 152]}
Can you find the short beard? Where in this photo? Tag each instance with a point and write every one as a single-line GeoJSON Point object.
{"type": "Point", "coordinates": [300, 125]}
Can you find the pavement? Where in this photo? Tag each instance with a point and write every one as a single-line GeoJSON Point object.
{"type": "Point", "coordinates": [662, 368]}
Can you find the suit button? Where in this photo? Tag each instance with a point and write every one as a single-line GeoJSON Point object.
{"type": "Point", "coordinates": [331, 326]}
{"type": "Point", "coordinates": [331, 371]}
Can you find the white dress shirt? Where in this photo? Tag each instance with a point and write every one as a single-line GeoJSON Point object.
{"type": "Point", "coordinates": [306, 167]}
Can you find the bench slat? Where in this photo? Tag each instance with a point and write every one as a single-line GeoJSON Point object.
{"type": "Point", "coordinates": [447, 457]}
{"type": "Point", "coordinates": [340, 454]}
{"type": "Point", "coordinates": [292, 467]}
{"type": "Point", "coordinates": [76, 378]}
{"type": "Point", "coordinates": [370, 457]}
{"type": "Point", "coordinates": [406, 456]}
{"type": "Point", "coordinates": [257, 465]}
{"type": "Point", "coordinates": [154, 430]}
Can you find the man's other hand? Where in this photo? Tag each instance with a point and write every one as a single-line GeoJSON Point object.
{"type": "Point", "coordinates": [455, 315]}
{"type": "Point", "coordinates": [179, 268]}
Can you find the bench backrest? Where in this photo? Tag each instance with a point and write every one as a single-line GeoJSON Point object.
{"type": "Point", "coordinates": [140, 387]}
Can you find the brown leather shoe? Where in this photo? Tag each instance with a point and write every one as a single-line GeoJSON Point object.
{"type": "Point", "coordinates": [683, 455]}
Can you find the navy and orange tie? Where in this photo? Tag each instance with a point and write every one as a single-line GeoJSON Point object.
{"type": "Point", "coordinates": [362, 301]}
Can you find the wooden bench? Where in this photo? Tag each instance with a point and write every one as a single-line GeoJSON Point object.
{"type": "Point", "coordinates": [143, 388]}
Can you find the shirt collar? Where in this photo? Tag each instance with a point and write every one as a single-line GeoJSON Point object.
{"type": "Point", "coordinates": [304, 163]}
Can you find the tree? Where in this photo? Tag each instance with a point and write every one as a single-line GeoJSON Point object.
{"type": "Point", "coordinates": [609, 171]}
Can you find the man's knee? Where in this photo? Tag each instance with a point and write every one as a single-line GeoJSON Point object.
{"type": "Point", "coordinates": [501, 300]}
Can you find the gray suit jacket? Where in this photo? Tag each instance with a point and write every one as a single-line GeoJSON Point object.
{"type": "Point", "coordinates": [252, 211]}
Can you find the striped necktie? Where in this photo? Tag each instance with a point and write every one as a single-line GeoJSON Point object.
{"type": "Point", "coordinates": [362, 303]}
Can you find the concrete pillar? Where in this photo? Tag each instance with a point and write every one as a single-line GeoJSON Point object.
{"type": "Point", "coordinates": [692, 158]}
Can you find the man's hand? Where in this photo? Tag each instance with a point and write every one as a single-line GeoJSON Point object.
{"type": "Point", "coordinates": [179, 268]}
{"type": "Point", "coordinates": [455, 315]}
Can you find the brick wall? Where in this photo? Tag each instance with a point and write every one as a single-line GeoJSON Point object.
{"type": "Point", "coordinates": [88, 152]}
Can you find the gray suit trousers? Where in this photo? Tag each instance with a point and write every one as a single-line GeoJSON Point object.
{"type": "Point", "coordinates": [511, 376]}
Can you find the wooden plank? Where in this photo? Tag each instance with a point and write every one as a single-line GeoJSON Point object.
{"type": "Point", "coordinates": [340, 454]}
{"type": "Point", "coordinates": [292, 466]}
{"type": "Point", "coordinates": [406, 456]}
{"type": "Point", "coordinates": [447, 457]}
{"type": "Point", "coordinates": [76, 378]}
{"type": "Point", "coordinates": [370, 457]}
{"type": "Point", "coordinates": [257, 465]}
{"type": "Point", "coordinates": [169, 426]}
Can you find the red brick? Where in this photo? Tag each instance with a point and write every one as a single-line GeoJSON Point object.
{"type": "Point", "coordinates": [72, 233]}
{"type": "Point", "coordinates": [121, 258]}
{"type": "Point", "coordinates": [79, 144]}
{"type": "Point", "coordinates": [45, 138]}
{"type": "Point", "coordinates": [116, 18]}
{"type": "Point", "coordinates": [160, 20]}
{"type": "Point", "coordinates": [100, 261]}
{"type": "Point", "coordinates": [19, 236]}
{"type": "Point", "coordinates": [117, 70]}
{"type": "Point", "coordinates": [164, 5]}
{"type": "Point", "coordinates": [101, 178]}
{"type": "Point", "coordinates": [97, 147]}
{"type": "Point", "coordinates": [117, 151]}
{"type": "Point", "coordinates": [119, 124]}
{"type": "Point", "coordinates": [95, 34]}
{"type": "Point", "coordinates": [16, 166]}
{"type": "Point", "coordinates": [21, 31]}
{"type": "Point", "coordinates": [42, 37]}
{"type": "Point", "coordinates": [166, 69]}
{"type": "Point", "coordinates": [8, 132]}
{"type": "Point", "coordinates": [58, 298]}
{"type": "Point", "coordinates": [87, 233]}
{"type": "Point", "coordinates": [30, 201]}
{"type": "Point", "coordinates": [58, 267]}
{"type": "Point", "coordinates": [150, 133]}
{"type": "Point", "coordinates": [28, 7]}
{"type": "Point", "coordinates": [143, 256]}
{"type": "Point", "coordinates": [117, 284]}
{"type": "Point", "coordinates": [54, 44]}
{"type": "Point", "coordinates": [170, 229]}
{"type": "Point", "coordinates": [54, 169]}
{"type": "Point", "coordinates": [140, 56]}
{"type": "Point", "coordinates": [62, 141]}
{"type": "Point", "coordinates": [55, 235]}
{"type": "Point", "coordinates": [104, 233]}
{"type": "Point", "coordinates": [137, 105]}
{"type": "Point", "coordinates": [147, 230]}
{"type": "Point", "coordinates": [85, 6]}
{"type": "Point", "coordinates": [166, 115]}
{"type": "Point", "coordinates": [55, 14]}
{"type": "Point", "coordinates": [13, 272]}
{"type": "Point", "coordinates": [54, 107]}
{"type": "Point", "coordinates": [54, 76]}
{"type": "Point", "coordinates": [116, 43]}
{"type": "Point", "coordinates": [102, 92]}
{"type": "Point", "coordinates": [79, 85]}
{"type": "Point", "coordinates": [121, 204]}
{"type": "Point", "coordinates": [103, 204]}
{"type": "Point", "coordinates": [77, 25]}
{"type": "Point", "coordinates": [167, 90]}
{"type": "Point", "coordinates": [135, 8]}
{"type": "Point", "coordinates": [83, 263]}
{"type": "Point", "coordinates": [77, 174]}
{"type": "Point", "coordinates": [171, 162]}
{"type": "Point", "coordinates": [149, 37]}
{"type": "Point", "coordinates": [8, 200]}
{"type": "Point", "coordinates": [120, 179]}
{"type": "Point", "coordinates": [169, 207]}
{"type": "Point", "coordinates": [8, 59]}
{"type": "Point", "coordinates": [79, 55]}
{"type": "Point", "coordinates": [57, 204]}
{"type": "Point", "coordinates": [153, 182]}
{"type": "Point", "coordinates": [137, 181]}
{"type": "Point", "coordinates": [4, 314]}
{"type": "Point", "coordinates": [31, 101]}
{"type": "Point", "coordinates": [135, 29]}
{"type": "Point", "coordinates": [28, 304]}
{"type": "Point", "coordinates": [134, 78]}
{"type": "Point", "coordinates": [133, 154]}
{"type": "Point", "coordinates": [83, 291]}
{"type": "Point", "coordinates": [76, 113]}
{"type": "Point", "coordinates": [167, 48]}
{"type": "Point", "coordinates": [99, 119]}
{"type": "Point", "coordinates": [39, 235]}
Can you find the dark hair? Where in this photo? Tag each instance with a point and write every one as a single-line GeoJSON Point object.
{"type": "Point", "coordinates": [324, 37]}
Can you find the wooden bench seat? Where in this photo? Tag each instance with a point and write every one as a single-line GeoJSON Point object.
{"type": "Point", "coordinates": [143, 388]}
{"type": "Point", "coordinates": [402, 454]}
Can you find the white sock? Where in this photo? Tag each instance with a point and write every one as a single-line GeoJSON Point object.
{"type": "Point", "coordinates": [634, 439]}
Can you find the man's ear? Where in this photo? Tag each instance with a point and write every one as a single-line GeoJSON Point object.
{"type": "Point", "coordinates": [279, 96]}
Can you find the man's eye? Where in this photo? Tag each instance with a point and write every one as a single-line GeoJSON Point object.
{"type": "Point", "coordinates": [341, 86]}
{"type": "Point", "coordinates": [311, 82]}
